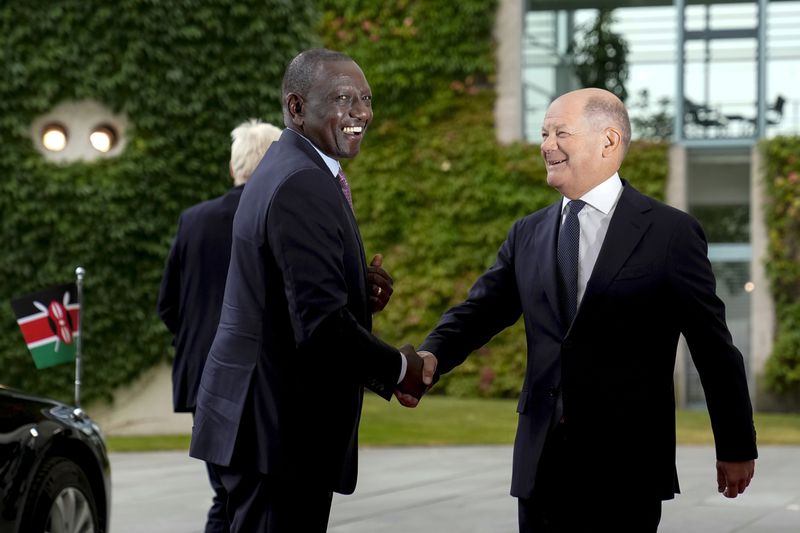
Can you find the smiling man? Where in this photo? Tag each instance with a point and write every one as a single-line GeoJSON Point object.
{"type": "Point", "coordinates": [281, 392]}
{"type": "Point", "coordinates": [606, 280]}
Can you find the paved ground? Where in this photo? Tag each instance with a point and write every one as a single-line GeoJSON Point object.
{"type": "Point", "coordinates": [453, 490]}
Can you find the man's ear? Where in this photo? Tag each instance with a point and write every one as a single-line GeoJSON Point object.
{"type": "Point", "coordinates": [295, 105]}
{"type": "Point", "coordinates": [612, 141]}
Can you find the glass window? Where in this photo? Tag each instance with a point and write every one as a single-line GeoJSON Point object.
{"type": "Point", "coordinates": [720, 74]}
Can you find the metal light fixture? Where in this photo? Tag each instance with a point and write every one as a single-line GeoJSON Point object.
{"type": "Point", "coordinates": [103, 138]}
{"type": "Point", "coordinates": [54, 137]}
{"type": "Point", "coordinates": [83, 130]}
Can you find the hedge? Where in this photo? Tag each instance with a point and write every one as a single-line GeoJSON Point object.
{"type": "Point", "coordinates": [433, 190]}
{"type": "Point", "coordinates": [185, 73]}
{"type": "Point", "coordinates": [782, 212]}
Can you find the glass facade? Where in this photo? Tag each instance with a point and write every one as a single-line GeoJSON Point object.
{"type": "Point", "coordinates": [719, 197]}
{"type": "Point", "coordinates": [720, 66]}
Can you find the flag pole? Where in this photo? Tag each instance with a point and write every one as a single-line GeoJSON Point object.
{"type": "Point", "coordinates": [79, 274]}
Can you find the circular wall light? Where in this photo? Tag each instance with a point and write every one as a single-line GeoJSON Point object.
{"type": "Point", "coordinates": [54, 137]}
{"type": "Point", "coordinates": [103, 138]}
{"type": "Point", "coordinates": [84, 130]}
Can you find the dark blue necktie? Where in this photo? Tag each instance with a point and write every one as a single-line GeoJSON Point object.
{"type": "Point", "coordinates": [568, 240]}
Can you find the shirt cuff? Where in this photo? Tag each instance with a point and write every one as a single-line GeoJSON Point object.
{"type": "Point", "coordinates": [403, 367]}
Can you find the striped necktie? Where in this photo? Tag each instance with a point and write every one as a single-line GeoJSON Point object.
{"type": "Point", "coordinates": [345, 187]}
{"type": "Point", "coordinates": [568, 242]}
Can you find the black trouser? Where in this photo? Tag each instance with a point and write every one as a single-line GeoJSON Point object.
{"type": "Point", "coordinates": [217, 521]}
{"type": "Point", "coordinates": [557, 506]}
{"type": "Point", "coordinates": [258, 503]}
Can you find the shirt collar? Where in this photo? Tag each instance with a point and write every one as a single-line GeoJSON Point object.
{"type": "Point", "coordinates": [603, 197]}
{"type": "Point", "coordinates": [331, 163]}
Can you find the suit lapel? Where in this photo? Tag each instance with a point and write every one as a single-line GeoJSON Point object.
{"type": "Point", "coordinates": [545, 243]}
{"type": "Point", "coordinates": [295, 139]}
{"type": "Point", "coordinates": [628, 226]}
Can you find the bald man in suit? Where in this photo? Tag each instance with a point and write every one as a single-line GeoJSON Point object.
{"type": "Point", "coordinates": [606, 280]}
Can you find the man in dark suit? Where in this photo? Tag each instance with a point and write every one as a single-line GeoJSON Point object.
{"type": "Point", "coordinates": [194, 281]}
{"type": "Point", "coordinates": [606, 280]}
{"type": "Point", "coordinates": [280, 398]}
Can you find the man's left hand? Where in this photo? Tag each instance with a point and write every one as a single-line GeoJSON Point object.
{"type": "Point", "coordinates": [380, 284]}
{"type": "Point", "coordinates": [733, 478]}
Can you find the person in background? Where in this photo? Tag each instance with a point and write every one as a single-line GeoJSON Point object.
{"type": "Point", "coordinates": [606, 279]}
{"type": "Point", "coordinates": [191, 292]}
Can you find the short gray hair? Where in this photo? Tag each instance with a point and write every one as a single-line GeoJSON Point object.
{"type": "Point", "coordinates": [600, 109]}
{"type": "Point", "coordinates": [250, 142]}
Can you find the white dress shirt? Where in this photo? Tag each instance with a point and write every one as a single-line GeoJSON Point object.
{"type": "Point", "coordinates": [594, 219]}
{"type": "Point", "coordinates": [332, 164]}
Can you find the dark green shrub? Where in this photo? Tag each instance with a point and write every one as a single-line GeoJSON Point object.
{"type": "Point", "coordinates": [185, 73]}
{"type": "Point", "coordinates": [782, 209]}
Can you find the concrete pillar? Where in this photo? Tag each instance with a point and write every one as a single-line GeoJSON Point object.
{"type": "Point", "coordinates": [143, 408]}
{"type": "Point", "coordinates": [762, 308]}
{"type": "Point", "coordinates": [508, 106]}
{"type": "Point", "coordinates": [676, 196]}
{"type": "Point", "coordinates": [677, 182]}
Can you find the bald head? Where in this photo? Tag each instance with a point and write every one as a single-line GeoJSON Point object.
{"type": "Point", "coordinates": [603, 109]}
{"type": "Point", "coordinates": [585, 136]}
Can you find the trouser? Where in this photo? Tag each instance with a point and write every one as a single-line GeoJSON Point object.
{"type": "Point", "coordinates": [258, 503]}
{"type": "Point", "coordinates": [557, 507]}
{"type": "Point", "coordinates": [217, 521]}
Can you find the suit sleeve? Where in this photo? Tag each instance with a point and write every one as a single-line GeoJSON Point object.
{"type": "Point", "coordinates": [169, 294]}
{"type": "Point", "coordinates": [492, 305]}
{"type": "Point", "coordinates": [307, 232]}
{"type": "Point", "coordinates": [719, 363]}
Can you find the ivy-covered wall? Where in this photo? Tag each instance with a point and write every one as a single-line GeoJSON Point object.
{"type": "Point", "coordinates": [433, 191]}
{"type": "Point", "coordinates": [782, 208]}
{"type": "Point", "coordinates": [185, 72]}
{"type": "Point", "coordinates": [438, 202]}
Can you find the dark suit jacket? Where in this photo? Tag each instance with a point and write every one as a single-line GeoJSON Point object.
{"type": "Point", "coordinates": [614, 366]}
{"type": "Point", "coordinates": [192, 287]}
{"type": "Point", "coordinates": [282, 388]}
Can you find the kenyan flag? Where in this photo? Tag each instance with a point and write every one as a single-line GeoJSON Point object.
{"type": "Point", "coordinates": [49, 322]}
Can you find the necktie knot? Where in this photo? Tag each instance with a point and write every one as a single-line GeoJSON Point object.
{"type": "Point", "coordinates": [345, 187]}
{"type": "Point", "coordinates": [574, 207]}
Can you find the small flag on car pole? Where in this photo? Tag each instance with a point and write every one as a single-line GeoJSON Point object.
{"type": "Point", "coordinates": [49, 322]}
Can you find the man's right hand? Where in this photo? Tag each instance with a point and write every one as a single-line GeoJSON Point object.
{"type": "Point", "coordinates": [419, 376]}
{"type": "Point", "coordinates": [734, 477]}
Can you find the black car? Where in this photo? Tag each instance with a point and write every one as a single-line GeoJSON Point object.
{"type": "Point", "coordinates": [54, 471]}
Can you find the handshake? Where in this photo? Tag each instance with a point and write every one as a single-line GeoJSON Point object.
{"type": "Point", "coordinates": [419, 376]}
{"type": "Point", "coordinates": [421, 366]}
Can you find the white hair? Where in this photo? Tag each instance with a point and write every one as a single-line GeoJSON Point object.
{"type": "Point", "coordinates": [250, 142]}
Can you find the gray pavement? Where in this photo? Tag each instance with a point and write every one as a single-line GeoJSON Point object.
{"type": "Point", "coordinates": [453, 490]}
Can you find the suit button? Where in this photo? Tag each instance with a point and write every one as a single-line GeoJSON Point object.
{"type": "Point", "coordinates": [568, 344]}
{"type": "Point", "coordinates": [552, 392]}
